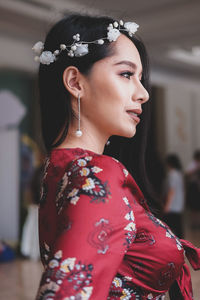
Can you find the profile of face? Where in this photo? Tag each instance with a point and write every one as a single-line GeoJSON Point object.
{"type": "Point", "coordinates": [112, 94]}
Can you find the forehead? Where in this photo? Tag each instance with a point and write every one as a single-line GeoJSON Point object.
{"type": "Point", "coordinates": [124, 49]}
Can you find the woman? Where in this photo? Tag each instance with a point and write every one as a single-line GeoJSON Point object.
{"type": "Point", "coordinates": [174, 203]}
{"type": "Point", "coordinates": [98, 238]}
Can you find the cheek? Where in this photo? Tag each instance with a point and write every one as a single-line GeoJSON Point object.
{"type": "Point", "coordinates": [106, 98]}
{"type": "Point", "coordinates": [109, 90]}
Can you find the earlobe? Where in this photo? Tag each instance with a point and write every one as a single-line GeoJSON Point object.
{"type": "Point", "coordinates": [71, 80]}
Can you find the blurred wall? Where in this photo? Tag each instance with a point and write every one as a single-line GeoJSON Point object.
{"type": "Point", "coordinates": [177, 114]}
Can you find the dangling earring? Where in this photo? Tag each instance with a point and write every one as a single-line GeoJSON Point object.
{"type": "Point", "coordinates": [78, 131]}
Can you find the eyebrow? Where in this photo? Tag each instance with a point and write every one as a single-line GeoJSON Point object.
{"type": "Point", "coordinates": [128, 63]}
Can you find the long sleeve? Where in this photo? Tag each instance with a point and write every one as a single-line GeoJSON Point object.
{"type": "Point", "coordinates": [95, 225]}
{"type": "Point", "coordinates": [183, 284]}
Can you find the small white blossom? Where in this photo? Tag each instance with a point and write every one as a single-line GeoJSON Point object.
{"type": "Point", "coordinates": [56, 52]}
{"type": "Point", "coordinates": [47, 57]}
{"type": "Point", "coordinates": [73, 47]}
{"type": "Point", "coordinates": [130, 227]}
{"type": "Point", "coordinates": [126, 200]}
{"type": "Point", "coordinates": [63, 47]}
{"type": "Point", "coordinates": [74, 200]}
{"type": "Point", "coordinates": [131, 27]}
{"type": "Point", "coordinates": [53, 263]}
{"type": "Point", "coordinates": [113, 34]}
{"type": "Point", "coordinates": [38, 47]}
{"type": "Point", "coordinates": [81, 50]}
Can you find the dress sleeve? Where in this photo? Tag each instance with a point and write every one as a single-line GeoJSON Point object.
{"type": "Point", "coordinates": [100, 226]}
{"type": "Point", "coordinates": [184, 280]}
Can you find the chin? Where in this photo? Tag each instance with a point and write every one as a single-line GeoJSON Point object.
{"type": "Point", "coordinates": [128, 134]}
{"type": "Point", "coordinates": [131, 135]}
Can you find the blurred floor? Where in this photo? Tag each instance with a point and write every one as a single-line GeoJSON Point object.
{"type": "Point", "coordinates": [19, 280]}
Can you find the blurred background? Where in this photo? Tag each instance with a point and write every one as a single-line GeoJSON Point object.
{"type": "Point", "coordinates": [170, 30]}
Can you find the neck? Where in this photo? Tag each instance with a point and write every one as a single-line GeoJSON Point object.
{"type": "Point", "coordinates": [91, 139]}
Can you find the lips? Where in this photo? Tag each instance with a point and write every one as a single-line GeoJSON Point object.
{"type": "Point", "coordinates": [134, 114]}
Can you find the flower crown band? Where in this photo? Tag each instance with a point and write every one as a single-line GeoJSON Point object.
{"type": "Point", "coordinates": [80, 48]}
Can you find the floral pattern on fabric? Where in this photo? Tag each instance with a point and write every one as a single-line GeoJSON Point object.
{"type": "Point", "coordinates": [130, 227]}
{"type": "Point", "coordinates": [117, 236]}
{"type": "Point", "coordinates": [43, 188]}
{"type": "Point", "coordinates": [45, 252]}
{"type": "Point", "coordinates": [122, 288]}
{"type": "Point", "coordinates": [73, 276]}
{"type": "Point", "coordinates": [99, 237]}
{"type": "Point", "coordinates": [125, 171]}
{"type": "Point", "coordinates": [169, 233]}
{"type": "Point", "coordinates": [167, 274]}
{"type": "Point", "coordinates": [80, 179]}
{"type": "Point", "coordinates": [143, 236]}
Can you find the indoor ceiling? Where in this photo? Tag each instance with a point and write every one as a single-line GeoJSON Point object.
{"type": "Point", "coordinates": [165, 25]}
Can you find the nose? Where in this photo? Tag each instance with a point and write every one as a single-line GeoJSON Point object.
{"type": "Point", "coordinates": [140, 94]}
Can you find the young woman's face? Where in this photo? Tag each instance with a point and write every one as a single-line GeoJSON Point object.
{"type": "Point", "coordinates": [114, 94]}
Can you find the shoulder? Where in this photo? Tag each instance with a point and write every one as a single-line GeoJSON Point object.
{"type": "Point", "coordinates": [98, 164]}
{"type": "Point", "coordinates": [92, 176]}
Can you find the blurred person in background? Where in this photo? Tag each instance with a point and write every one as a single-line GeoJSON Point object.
{"type": "Point", "coordinates": [31, 173]}
{"type": "Point", "coordinates": [195, 163]}
{"type": "Point", "coordinates": [192, 177]}
{"type": "Point", "coordinates": [98, 236]}
{"type": "Point", "coordinates": [174, 195]}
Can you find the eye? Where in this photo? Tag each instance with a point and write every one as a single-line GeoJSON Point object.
{"type": "Point", "coordinates": [127, 74]}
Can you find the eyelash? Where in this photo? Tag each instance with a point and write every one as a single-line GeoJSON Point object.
{"type": "Point", "coordinates": [129, 74]}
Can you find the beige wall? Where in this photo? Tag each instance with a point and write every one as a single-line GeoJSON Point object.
{"type": "Point", "coordinates": [178, 116]}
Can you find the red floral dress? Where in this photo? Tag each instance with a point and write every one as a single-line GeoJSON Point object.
{"type": "Point", "coordinates": [98, 238]}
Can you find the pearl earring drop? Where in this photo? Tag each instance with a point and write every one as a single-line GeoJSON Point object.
{"type": "Point", "coordinates": [78, 131]}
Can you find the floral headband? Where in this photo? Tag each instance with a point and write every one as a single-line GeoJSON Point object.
{"type": "Point", "coordinates": [80, 48]}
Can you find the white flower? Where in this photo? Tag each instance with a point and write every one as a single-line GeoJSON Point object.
{"type": "Point", "coordinates": [81, 50]}
{"type": "Point", "coordinates": [129, 216]}
{"type": "Point", "coordinates": [96, 169]}
{"type": "Point", "coordinates": [38, 47]}
{"type": "Point", "coordinates": [130, 227]}
{"type": "Point", "coordinates": [81, 162]}
{"type": "Point", "coordinates": [47, 57]}
{"type": "Point", "coordinates": [126, 200]}
{"type": "Point", "coordinates": [62, 46]}
{"type": "Point", "coordinates": [117, 282]}
{"type": "Point", "coordinates": [53, 263]}
{"type": "Point", "coordinates": [67, 264]}
{"type": "Point", "coordinates": [58, 254]}
{"type": "Point", "coordinates": [74, 200]}
{"type": "Point", "coordinates": [131, 27]}
{"type": "Point", "coordinates": [125, 172]}
{"type": "Point", "coordinates": [113, 34]}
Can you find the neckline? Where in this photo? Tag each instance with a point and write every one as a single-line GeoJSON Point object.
{"type": "Point", "coordinates": [76, 148]}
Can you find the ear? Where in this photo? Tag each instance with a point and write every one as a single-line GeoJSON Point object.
{"type": "Point", "coordinates": [72, 80]}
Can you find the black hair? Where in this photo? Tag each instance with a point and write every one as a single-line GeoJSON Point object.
{"type": "Point", "coordinates": [173, 161]}
{"type": "Point", "coordinates": [55, 106]}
